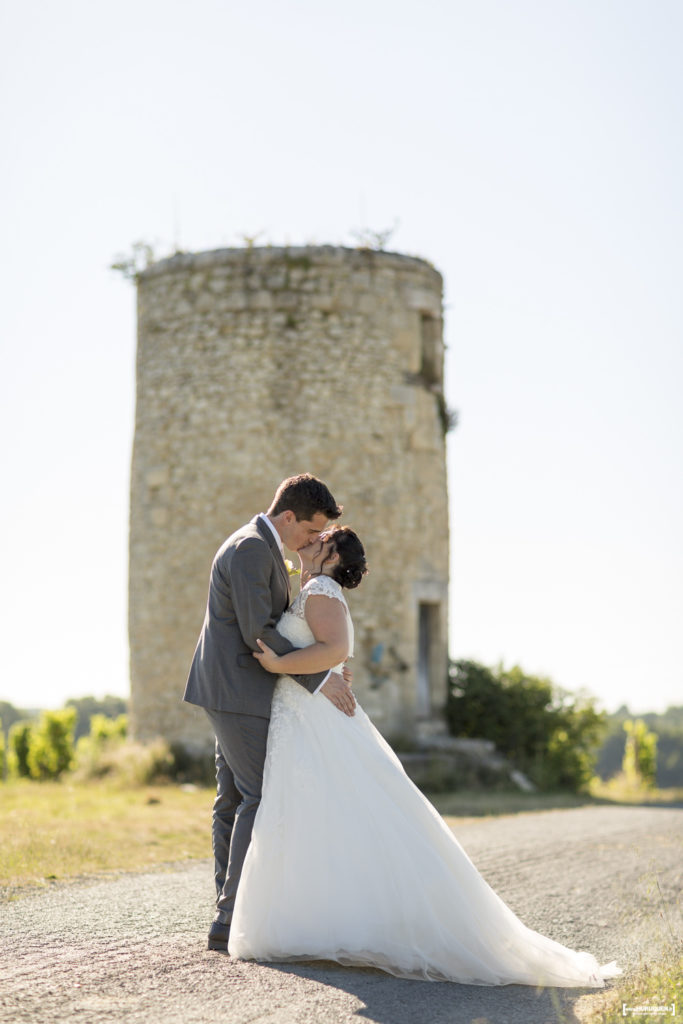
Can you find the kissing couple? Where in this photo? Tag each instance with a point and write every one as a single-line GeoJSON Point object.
{"type": "Point", "coordinates": [323, 847]}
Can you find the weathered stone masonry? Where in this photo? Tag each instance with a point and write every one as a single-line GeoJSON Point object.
{"type": "Point", "coordinates": [253, 365]}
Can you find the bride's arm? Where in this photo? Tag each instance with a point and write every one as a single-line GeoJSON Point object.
{"type": "Point", "coordinates": [327, 620]}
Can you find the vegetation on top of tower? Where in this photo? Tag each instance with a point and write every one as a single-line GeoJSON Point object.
{"type": "Point", "coordinates": [132, 264]}
{"type": "Point", "coordinates": [366, 238]}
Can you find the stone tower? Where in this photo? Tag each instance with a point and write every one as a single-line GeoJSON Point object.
{"type": "Point", "coordinates": [256, 364]}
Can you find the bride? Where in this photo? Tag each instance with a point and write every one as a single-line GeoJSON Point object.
{"type": "Point", "coordinates": [348, 860]}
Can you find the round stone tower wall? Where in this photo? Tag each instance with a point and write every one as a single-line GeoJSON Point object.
{"type": "Point", "coordinates": [256, 364]}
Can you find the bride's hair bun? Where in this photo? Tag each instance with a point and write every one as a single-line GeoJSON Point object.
{"type": "Point", "coordinates": [351, 567]}
{"type": "Point", "coordinates": [351, 576]}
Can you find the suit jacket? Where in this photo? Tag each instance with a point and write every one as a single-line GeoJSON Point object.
{"type": "Point", "coordinates": [248, 592]}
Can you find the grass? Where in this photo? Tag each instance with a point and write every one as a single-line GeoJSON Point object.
{"type": "Point", "coordinates": [58, 830]}
{"type": "Point", "coordinates": [654, 984]}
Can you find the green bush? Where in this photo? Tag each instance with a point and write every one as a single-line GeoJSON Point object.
{"type": "Point", "coordinates": [549, 734]}
{"type": "Point", "coordinates": [103, 728]}
{"type": "Point", "coordinates": [2, 751]}
{"type": "Point", "coordinates": [124, 762]}
{"type": "Point", "coordinates": [89, 707]}
{"type": "Point", "coordinates": [92, 758]}
{"type": "Point", "coordinates": [18, 740]}
{"type": "Point", "coordinates": [640, 754]}
{"type": "Point", "coordinates": [106, 752]}
{"type": "Point", "coordinates": [51, 744]}
{"type": "Point", "coordinates": [667, 727]}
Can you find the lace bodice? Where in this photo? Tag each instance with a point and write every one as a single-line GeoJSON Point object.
{"type": "Point", "coordinates": [292, 624]}
{"type": "Point", "coordinates": [289, 695]}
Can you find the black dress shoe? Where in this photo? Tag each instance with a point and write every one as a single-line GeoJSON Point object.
{"type": "Point", "coordinates": [219, 935]}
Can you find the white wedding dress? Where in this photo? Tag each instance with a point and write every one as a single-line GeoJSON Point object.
{"type": "Point", "coordinates": [350, 862]}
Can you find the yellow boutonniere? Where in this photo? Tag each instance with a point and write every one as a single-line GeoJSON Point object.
{"type": "Point", "coordinates": [291, 569]}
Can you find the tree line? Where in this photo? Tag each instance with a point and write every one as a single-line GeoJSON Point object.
{"type": "Point", "coordinates": [560, 740]}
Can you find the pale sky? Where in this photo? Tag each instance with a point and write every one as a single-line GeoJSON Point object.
{"type": "Point", "coordinates": [531, 149]}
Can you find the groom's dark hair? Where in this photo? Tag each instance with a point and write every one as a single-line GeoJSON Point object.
{"type": "Point", "coordinates": [304, 495]}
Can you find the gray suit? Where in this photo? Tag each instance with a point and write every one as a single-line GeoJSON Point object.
{"type": "Point", "coordinates": [248, 592]}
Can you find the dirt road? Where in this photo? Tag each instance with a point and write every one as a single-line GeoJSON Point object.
{"type": "Point", "coordinates": [131, 948]}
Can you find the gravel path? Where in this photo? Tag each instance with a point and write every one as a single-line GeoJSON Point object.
{"type": "Point", "coordinates": [131, 948]}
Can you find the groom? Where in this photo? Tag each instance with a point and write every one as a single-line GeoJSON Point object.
{"type": "Point", "coordinates": [248, 592]}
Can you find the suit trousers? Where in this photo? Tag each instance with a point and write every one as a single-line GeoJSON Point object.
{"type": "Point", "coordinates": [240, 756]}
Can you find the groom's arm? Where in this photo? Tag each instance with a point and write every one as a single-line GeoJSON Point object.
{"type": "Point", "coordinates": [252, 601]}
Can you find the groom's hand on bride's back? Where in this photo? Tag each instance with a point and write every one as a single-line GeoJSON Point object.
{"type": "Point", "coordinates": [339, 692]}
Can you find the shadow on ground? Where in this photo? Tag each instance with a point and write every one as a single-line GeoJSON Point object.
{"type": "Point", "coordinates": [388, 1000]}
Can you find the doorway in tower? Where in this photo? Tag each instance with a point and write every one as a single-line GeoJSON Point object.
{"type": "Point", "coordinates": [428, 660]}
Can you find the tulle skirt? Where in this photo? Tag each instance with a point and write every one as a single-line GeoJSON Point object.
{"type": "Point", "coordinates": [349, 862]}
